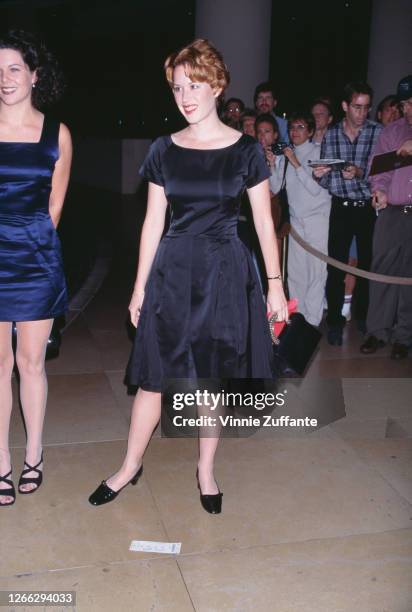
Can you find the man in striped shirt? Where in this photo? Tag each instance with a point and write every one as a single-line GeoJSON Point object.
{"type": "Point", "coordinates": [352, 215]}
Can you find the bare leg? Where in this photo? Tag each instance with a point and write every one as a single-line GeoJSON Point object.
{"type": "Point", "coordinates": [145, 417]}
{"type": "Point", "coordinates": [32, 339]}
{"type": "Point", "coordinates": [6, 369]}
{"type": "Point", "coordinates": [208, 443]}
{"type": "Point", "coordinates": [207, 451]}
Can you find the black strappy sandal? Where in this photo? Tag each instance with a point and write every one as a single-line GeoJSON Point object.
{"type": "Point", "coordinates": [37, 480]}
{"type": "Point", "coordinates": [10, 492]}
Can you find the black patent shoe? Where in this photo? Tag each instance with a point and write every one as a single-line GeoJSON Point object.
{"type": "Point", "coordinates": [210, 503]}
{"type": "Point", "coordinates": [104, 494]}
{"type": "Point", "coordinates": [10, 492]}
{"type": "Point", "coordinates": [37, 480]}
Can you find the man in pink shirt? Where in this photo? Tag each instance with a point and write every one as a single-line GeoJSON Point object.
{"type": "Point", "coordinates": [390, 306]}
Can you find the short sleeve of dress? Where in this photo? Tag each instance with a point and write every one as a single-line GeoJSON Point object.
{"type": "Point", "coordinates": [151, 169]}
{"type": "Point", "coordinates": [258, 170]}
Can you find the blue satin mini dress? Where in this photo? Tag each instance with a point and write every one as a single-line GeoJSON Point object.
{"type": "Point", "coordinates": [203, 315]}
{"type": "Point", "coordinates": [32, 283]}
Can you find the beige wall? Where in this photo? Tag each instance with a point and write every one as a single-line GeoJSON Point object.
{"type": "Point", "coordinates": [240, 29]}
{"type": "Point", "coordinates": [390, 47]}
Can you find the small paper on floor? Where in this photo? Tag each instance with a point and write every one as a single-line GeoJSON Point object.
{"type": "Point", "coordinates": [168, 548]}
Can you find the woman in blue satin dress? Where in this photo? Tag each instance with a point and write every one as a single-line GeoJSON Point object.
{"type": "Point", "coordinates": [197, 302]}
{"type": "Point", "coordinates": [35, 157]}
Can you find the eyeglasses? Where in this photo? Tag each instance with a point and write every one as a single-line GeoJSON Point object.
{"type": "Point", "coordinates": [361, 107]}
{"type": "Point", "coordinates": [298, 126]}
{"type": "Point", "coordinates": [235, 109]}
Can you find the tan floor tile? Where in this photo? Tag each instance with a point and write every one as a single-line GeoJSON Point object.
{"type": "Point", "coordinates": [309, 397]}
{"type": "Point", "coordinates": [369, 573]}
{"type": "Point", "coordinates": [81, 408]}
{"type": "Point", "coordinates": [114, 346]}
{"type": "Point", "coordinates": [349, 428]}
{"type": "Point", "coordinates": [123, 399]}
{"type": "Point", "coordinates": [79, 352]}
{"type": "Point", "coordinates": [375, 367]}
{"type": "Point", "coordinates": [326, 432]}
{"type": "Point", "coordinates": [135, 586]}
{"type": "Point", "coordinates": [110, 310]}
{"type": "Point", "coordinates": [372, 398]}
{"type": "Point", "coordinates": [119, 390]}
{"type": "Point", "coordinates": [274, 491]}
{"type": "Point", "coordinates": [57, 528]}
{"type": "Point", "coordinates": [348, 361]}
{"type": "Point", "coordinates": [399, 427]}
{"type": "Point", "coordinates": [352, 341]}
{"type": "Point", "coordinates": [392, 459]}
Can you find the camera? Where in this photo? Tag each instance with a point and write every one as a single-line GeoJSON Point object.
{"type": "Point", "coordinates": [278, 147]}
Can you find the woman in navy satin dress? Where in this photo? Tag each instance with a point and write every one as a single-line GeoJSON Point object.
{"type": "Point", "coordinates": [197, 302]}
{"type": "Point", "coordinates": [35, 157]}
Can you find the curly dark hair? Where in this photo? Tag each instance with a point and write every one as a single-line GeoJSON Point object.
{"type": "Point", "coordinates": [50, 82]}
{"type": "Point", "coordinates": [267, 118]}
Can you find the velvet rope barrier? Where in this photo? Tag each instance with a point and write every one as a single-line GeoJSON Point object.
{"type": "Point", "coordinates": [373, 276]}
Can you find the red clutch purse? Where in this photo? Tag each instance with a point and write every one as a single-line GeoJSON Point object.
{"type": "Point", "coordinates": [294, 343]}
{"type": "Point", "coordinates": [276, 327]}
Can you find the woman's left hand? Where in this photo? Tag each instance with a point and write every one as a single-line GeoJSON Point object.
{"type": "Point", "coordinates": [276, 301]}
{"type": "Point", "coordinates": [135, 306]}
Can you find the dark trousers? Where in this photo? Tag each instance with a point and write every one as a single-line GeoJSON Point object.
{"type": "Point", "coordinates": [390, 306]}
{"type": "Point", "coordinates": [346, 222]}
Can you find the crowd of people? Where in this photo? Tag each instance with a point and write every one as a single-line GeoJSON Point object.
{"type": "Point", "coordinates": [197, 303]}
{"type": "Point", "coordinates": [339, 208]}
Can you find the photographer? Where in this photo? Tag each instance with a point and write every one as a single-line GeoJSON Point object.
{"type": "Point", "coordinates": [309, 206]}
{"type": "Point", "coordinates": [267, 133]}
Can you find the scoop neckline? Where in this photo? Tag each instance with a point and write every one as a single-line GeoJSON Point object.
{"type": "Point", "coordinates": [23, 142]}
{"type": "Point", "coordinates": [194, 149]}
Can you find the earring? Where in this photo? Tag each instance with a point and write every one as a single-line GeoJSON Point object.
{"type": "Point", "coordinates": [33, 85]}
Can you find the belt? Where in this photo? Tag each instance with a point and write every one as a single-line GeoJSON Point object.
{"type": "Point", "coordinates": [405, 208]}
{"type": "Point", "coordinates": [355, 203]}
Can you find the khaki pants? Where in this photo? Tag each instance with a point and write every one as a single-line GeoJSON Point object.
{"type": "Point", "coordinates": [306, 273]}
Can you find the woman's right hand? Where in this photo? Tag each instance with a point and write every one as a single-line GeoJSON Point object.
{"type": "Point", "coordinates": [270, 157]}
{"type": "Point", "coordinates": [135, 306]}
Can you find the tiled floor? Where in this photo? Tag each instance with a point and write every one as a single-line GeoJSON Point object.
{"type": "Point", "coordinates": [311, 522]}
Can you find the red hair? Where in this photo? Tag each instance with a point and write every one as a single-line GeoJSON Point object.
{"type": "Point", "coordinates": [202, 62]}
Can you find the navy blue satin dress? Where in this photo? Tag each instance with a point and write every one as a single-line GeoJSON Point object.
{"type": "Point", "coordinates": [32, 284]}
{"type": "Point", "coordinates": [203, 315]}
